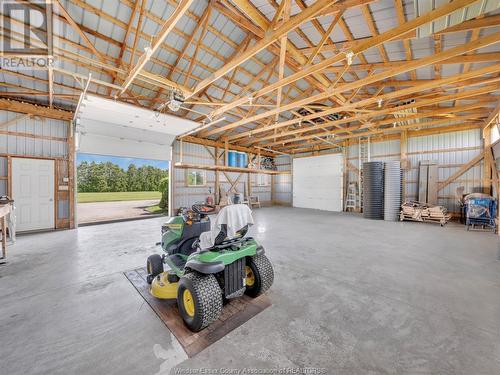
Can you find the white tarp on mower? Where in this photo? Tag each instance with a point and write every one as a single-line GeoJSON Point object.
{"type": "Point", "coordinates": [235, 216]}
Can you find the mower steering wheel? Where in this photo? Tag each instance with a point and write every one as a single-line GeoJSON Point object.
{"type": "Point", "coordinates": [185, 213]}
{"type": "Point", "coordinates": [203, 209]}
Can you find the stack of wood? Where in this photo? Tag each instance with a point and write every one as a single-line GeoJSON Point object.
{"type": "Point", "coordinates": [418, 211]}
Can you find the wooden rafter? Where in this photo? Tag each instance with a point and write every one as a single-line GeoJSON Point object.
{"type": "Point", "coordinates": [400, 13]}
{"type": "Point", "coordinates": [166, 28]}
{"type": "Point", "coordinates": [480, 23]}
{"type": "Point", "coordinates": [265, 42]}
{"type": "Point", "coordinates": [492, 116]}
{"type": "Point", "coordinates": [488, 40]}
{"type": "Point", "coordinates": [294, 58]}
{"type": "Point", "coordinates": [324, 38]}
{"type": "Point", "coordinates": [79, 30]}
{"type": "Point", "coordinates": [363, 46]}
{"type": "Point", "coordinates": [385, 97]}
{"type": "Point", "coordinates": [285, 12]}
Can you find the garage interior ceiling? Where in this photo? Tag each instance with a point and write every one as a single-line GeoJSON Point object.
{"type": "Point", "coordinates": [249, 68]}
{"type": "Point", "coordinates": [477, 9]}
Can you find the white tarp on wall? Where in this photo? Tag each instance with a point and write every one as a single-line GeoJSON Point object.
{"type": "Point", "coordinates": [107, 127]}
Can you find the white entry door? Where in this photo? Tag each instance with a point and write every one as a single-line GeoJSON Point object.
{"type": "Point", "coordinates": [318, 182]}
{"type": "Point", "coordinates": [33, 193]}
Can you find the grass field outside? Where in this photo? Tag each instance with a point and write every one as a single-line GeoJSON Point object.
{"type": "Point", "coordinates": [118, 196]}
{"type": "Point", "coordinates": [156, 209]}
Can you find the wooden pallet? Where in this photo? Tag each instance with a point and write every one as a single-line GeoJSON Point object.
{"type": "Point", "coordinates": [234, 314]}
{"type": "Point", "coordinates": [424, 212]}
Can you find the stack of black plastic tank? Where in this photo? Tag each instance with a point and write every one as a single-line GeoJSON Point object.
{"type": "Point", "coordinates": [373, 190]}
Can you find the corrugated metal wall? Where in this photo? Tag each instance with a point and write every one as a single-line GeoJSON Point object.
{"type": "Point", "coordinates": [268, 188]}
{"type": "Point", "coordinates": [449, 150]}
{"type": "Point", "coordinates": [34, 137]}
{"type": "Point", "coordinates": [282, 184]}
{"type": "Point", "coordinates": [184, 196]}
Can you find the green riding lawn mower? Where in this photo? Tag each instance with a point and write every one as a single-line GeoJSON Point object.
{"type": "Point", "coordinates": [208, 265]}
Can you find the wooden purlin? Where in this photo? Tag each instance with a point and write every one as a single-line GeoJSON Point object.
{"type": "Point", "coordinates": [485, 41]}
{"type": "Point", "coordinates": [410, 90]}
{"type": "Point", "coordinates": [356, 50]}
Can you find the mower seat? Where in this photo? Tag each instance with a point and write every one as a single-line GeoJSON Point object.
{"type": "Point", "coordinates": [231, 222]}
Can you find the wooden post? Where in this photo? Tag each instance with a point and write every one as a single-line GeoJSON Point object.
{"type": "Point", "coordinates": [4, 236]}
{"type": "Point", "coordinates": [57, 167]}
{"type": "Point", "coordinates": [226, 153]}
{"type": "Point", "coordinates": [216, 184]}
{"type": "Point", "coordinates": [487, 166]}
{"type": "Point", "coordinates": [181, 151]}
{"type": "Point", "coordinates": [249, 182]}
{"type": "Point", "coordinates": [403, 146]}
{"type": "Point", "coordinates": [9, 176]}
{"type": "Point", "coordinates": [249, 186]}
{"type": "Point", "coordinates": [345, 150]}
{"type": "Point", "coordinates": [71, 175]}
{"type": "Point", "coordinates": [273, 190]}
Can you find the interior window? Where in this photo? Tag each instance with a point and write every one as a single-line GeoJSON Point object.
{"type": "Point", "coordinates": [262, 179]}
{"type": "Point", "coordinates": [196, 178]}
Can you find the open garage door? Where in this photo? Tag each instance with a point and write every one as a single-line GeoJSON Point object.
{"type": "Point", "coordinates": [318, 182]}
{"type": "Point", "coordinates": [108, 127]}
{"type": "Point", "coordinates": [122, 151]}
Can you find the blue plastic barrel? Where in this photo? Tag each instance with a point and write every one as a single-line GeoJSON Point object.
{"type": "Point", "coordinates": [232, 160]}
{"type": "Point", "coordinates": [242, 160]}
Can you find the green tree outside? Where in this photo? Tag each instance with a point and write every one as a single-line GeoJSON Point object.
{"type": "Point", "coordinates": [109, 177]}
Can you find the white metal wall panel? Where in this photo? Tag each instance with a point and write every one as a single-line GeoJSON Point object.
{"type": "Point", "coordinates": [450, 150]}
{"type": "Point", "coordinates": [185, 196]}
{"type": "Point", "coordinates": [282, 184]}
{"type": "Point", "coordinates": [18, 145]}
{"type": "Point", "coordinates": [29, 146]}
{"type": "Point", "coordinates": [318, 182]}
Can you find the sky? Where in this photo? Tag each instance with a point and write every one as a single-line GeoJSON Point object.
{"type": "Point", "coordinates": [122, 162]}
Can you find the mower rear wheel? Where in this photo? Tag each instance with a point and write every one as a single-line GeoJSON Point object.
{"type": "Point", "coordinates": [199, 298]}
{"type": "Point", "coordinates": [154, 266]}
{"type": "Point", "coordinates": [259, 275]}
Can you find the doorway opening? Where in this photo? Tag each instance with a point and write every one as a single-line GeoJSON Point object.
{"type": "Point", "coordinates": [117, 188]}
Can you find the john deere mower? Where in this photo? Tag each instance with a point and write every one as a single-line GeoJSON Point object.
{"type": "Point", "coordinates": [208, 264]}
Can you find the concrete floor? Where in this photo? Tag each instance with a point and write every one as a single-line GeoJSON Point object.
{"type": "Point", "coordinates": [108, 211]}
{"type": "Point", "coordinates": [351, 296]}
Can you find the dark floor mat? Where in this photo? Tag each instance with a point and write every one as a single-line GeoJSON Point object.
{"type": "Point", "coordinates": [234, 314]}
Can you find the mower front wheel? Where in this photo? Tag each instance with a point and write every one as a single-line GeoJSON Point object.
{"type": "Point", "coordinates": [259, 275]}
{"type": "Point", "coordinates": [199, 298]}
{"type": "Point", "coordinates": [154, 266]}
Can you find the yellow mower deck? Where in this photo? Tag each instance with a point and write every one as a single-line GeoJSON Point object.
{"type": "Point", "coordinates": [162, 288]}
